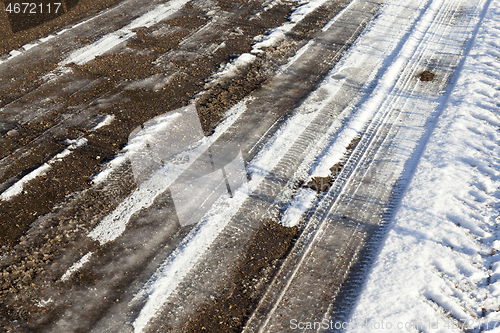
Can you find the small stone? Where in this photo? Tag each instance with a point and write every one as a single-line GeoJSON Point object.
{"type": "Point", "coordinates": [12, 133]}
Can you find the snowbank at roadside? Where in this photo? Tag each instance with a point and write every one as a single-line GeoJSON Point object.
{"type": "Point", "coordinates": [439, 269]}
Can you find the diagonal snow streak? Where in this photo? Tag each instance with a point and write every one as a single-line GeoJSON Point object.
{"type": "Point", "coordinates": [187, 254]}
{"type": "Point", "coordinates": [17, 188]}
{"type": "Point", "coordinates": [118, 37]}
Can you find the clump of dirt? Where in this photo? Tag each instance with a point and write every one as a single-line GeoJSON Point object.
{"type": "Point", "coordinates": [353, 142]}
{"type": "Point", "coordinates": [264, 254]}
{"type": "Point", "coordinates": [426, 76]}
{"type": "Point", "coordinates": [320, 184]}
{"type": "Point", "coordinates": [336, 168]}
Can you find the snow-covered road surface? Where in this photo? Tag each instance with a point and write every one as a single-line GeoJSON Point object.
{"type": "Point", "coordinates": [437, 269]}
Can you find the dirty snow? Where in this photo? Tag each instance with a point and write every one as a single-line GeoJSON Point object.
{"type": "Point", "coordinates": [233, 68]}
{"type": "Point", "coordinates": [108, 119]}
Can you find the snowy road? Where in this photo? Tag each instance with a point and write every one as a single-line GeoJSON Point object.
{"type": "Point", "coordinates": [276, 196]}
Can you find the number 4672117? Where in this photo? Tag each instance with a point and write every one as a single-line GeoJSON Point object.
{"type": "Point", "coordinates": [32, 8]}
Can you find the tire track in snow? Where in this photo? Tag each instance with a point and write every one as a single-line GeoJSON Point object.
{"type": "Point", "coordinates": [69, 315]}
{"type": "Point", "coordinates": [267, 183]}
{"type": "Point", "coordinates": [355, 205]}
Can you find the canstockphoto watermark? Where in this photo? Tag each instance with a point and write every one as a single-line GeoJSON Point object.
{"type": "Point", "coordinates": [384, 326]}
{"type": "Point", "coordinates": [369, 325]}
{"type": "Point", "coordinates": [208, 170]}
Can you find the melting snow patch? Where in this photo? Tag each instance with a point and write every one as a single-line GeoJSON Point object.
{"type": "Point", "coordinates": [76, 266]}
{"type": "Point", "coordinates": [278, 34]}
{"type": "Point", "coordinates": [105, 122]}
{"type": "Point", "coordinates": [301, 203]}
{"type": "Point", "coordinates": [234, 67]}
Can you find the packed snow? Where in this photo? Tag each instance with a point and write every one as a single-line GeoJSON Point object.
{"type": "Point", "coordinates": [438, 269]}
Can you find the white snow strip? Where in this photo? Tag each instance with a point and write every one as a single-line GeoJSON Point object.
{"type": "Point", "coordinates": [113, 225]}
{"type": "Point", "coordinates": [76, 266]}
{"type": "Point", "coordinates": [109, 168]}
{"type": "Point", "coordinates": [105, 122]}
{"type": "Point", "coordinates": [278, 34]}
{"type": "Point", "coordinates": [187, 254]}
{"type": "Point", "coordinates": [14, 53]}
{"type": "Point", "coordinates": [29, 46]}
{"type": "Point", "coordinates": [300, 204]}
{"type": "Point", "coordinates": [17, 188]}
{"type": "Point", "coordinates": [44, 39]}
{"type": "Point", "coordinates": [62, 31]}
{"type": "Point", "coordinates": [120, 36]}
